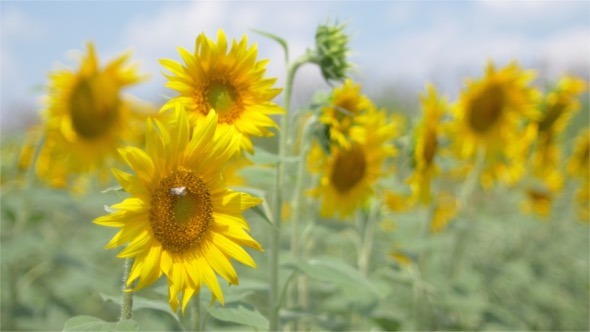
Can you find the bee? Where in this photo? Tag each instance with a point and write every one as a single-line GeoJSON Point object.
{"type": "Point", "coordinates": [178, 191]}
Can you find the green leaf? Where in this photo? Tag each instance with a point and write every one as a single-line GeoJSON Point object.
{"type": "Point", "coordinates": [263, 157]}
{"type": "Point", "coordinates": [240, 313]}
{"type": "Point", "coordinates": [278, 39]}
{"type": "Point", "coordinates": [90, 323]}
{"type": "Point", "coordinates": [262, 210]}
{"type": "Point", "coordinates": [337, 273]}
{"type": "Point", "coordinates": [144, 303]}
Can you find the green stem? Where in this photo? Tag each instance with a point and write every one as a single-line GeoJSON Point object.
{"type": "Point", "coordinates": [22, 217]}
{"type": "Point", "coordinates": [127, 299]}
{"type": "Point", "coordinates": [367, 238]}
{"type": "Point", "coordinates": [196, 312]}
{"type": "Point", "coordinates": [464, 196]}
{"type": "Point", "coordinates": [275, 232]}
{"type": "Point", "coordinates": [298, 290]}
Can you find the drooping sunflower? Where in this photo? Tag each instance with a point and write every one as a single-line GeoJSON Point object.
{"type": "Point", "coordinates": [489, 115]}
{"type": "Point", "coordinates": [346, 104]}
{"type": "Point", "coordinates": [181, 220]}
{"type": "Point", "coordinates": [427, 136]}
{"type": "Point", "coordinates": [579, 162]}
{"type": "Point", "coordinates": [541, 193]}
{"type": "Point", "coordinates": [446, 208]}
{"type": "Point", "coordinates": [579, 167]}
{"type": "Point", "coordinates": [230, 82]}
{"type": "Point", "coordinates": [557, 110]}
{"type": "Point", "coordinates": [348, 174]}
{"type": "Point", "coordinates": [86, 118]}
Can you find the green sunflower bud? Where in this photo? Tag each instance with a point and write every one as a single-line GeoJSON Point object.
{"type": "Point", "coordinates": [331, 51]}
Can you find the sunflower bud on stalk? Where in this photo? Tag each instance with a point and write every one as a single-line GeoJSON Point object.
{"type": "Point", "coordinates": [331, 51]}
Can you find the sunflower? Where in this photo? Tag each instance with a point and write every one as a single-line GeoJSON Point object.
{"type": "Point", "coordinates": [231, 83]}
{"type": "Point", "coordinates": [489, 116]}
{"type": "Point", "coordinates": [446, 208]}
{"type": "Point", "coordinates": [346, 104]}
{"type": "Point", "coordinates": [427, 136]}
{"type": "Point", "coordinates": [181, 220]}
{"type": "Point", "coordinates": [541, 194]}
{"type": "Point", "coordinates": [579, 163]}
{"type": "Point", "coordinates": [579, 167]}
{"type": "Point", "coordinates": [348, 174]}
{"type": "Point", "coordinates": [557, 110]}
{"type": "Point", "coordinates": [86, 118]}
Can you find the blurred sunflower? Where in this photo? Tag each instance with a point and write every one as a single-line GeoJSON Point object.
{"type": "Point", "coordinates": [541, 194]}
{"type": "Point", "coordinates": [181, 220]}
{"type": "Point", "coordinates": [427, 137]}
{"type": "Point", "coordinates": [346, 104]}
{"type": "Point", "coordinates": [85, 120]}
{"type": "Point", "coordinates": [446, 208]}
{"type": "Point", "coordinates": [489, 116]}
{"type": "Point", "coordinates": [579, 162]}
{"type": "Point", "coordinates": [557, 110]}
{"type": "Point", "coordinates": [349, 174]}
{"type": "Point", "coordinates": [231, 83]}
{"type": "Point", "coordinates": [579, 167]}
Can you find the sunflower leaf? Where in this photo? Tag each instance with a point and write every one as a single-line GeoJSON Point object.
{"type": "Point", "coordinates": [263, 210]}
{"type": "Point", "coordinates": [240, 313]}
{"type": "Point", "coordinates": [90, 323]}
{"type": "Point", "coordinates": [144, 303]}
{"type": "Point", "coordinates": [335, 272]}
{"type": "Point", "coordinates": [263, 157]}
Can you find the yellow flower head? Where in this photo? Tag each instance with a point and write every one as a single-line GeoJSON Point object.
{"type": "Point", "coordinates": [541, 194]}
{"type": "Point", "coordinates": [349, 174]}
{"type": "Point", "coordinates": [489, 115]}
{"type": "Point", "coordinates": [557, 110]}
{"type": "Point", "coordinates": [579, 162]}
{"type": "Point", "coordinates": [427, 135]}
{"type": "Point", "coordinates": [560, 104]}
{"type": "Point", "coordinates": [231, 83]}
{"type": "Point", "coordinates": [86, 118]}
{"type": "Point", "coordinates": [347, 103]}
{"type": "Point", "coordinates": [181, 220]}
{"type": "Point", "coordinates": [447, 207]}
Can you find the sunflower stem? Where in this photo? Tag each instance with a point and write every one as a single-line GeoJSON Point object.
{"type": "Point", "coordinates": [275, 232]}
{"type": "Point", "coordinates": [197, 312]}
{"type": "Point", "coordinates": [127, 299]}
{"type": "Point", "coordinates": [464, 196]}
{"type": "Point", "coordinates": [367, 239]}
{"type": "Point", "coordinates": [298, 290]}
{"type": "Point", "coordinates": [22, 217]}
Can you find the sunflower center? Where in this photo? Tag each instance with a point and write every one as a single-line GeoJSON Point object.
{"type": "Point", "coordinates": [181, 210]}
{"type": "Point", "coordinates": [349, 168]}
{"type": "Point", "coordinates": [222, 98]}
{"type": "Point", "coordinates": [94, 105]}
{"type": "Point", "coordinates": [430, 146]}
{"type": "Point", "coordinates": [486, 109]}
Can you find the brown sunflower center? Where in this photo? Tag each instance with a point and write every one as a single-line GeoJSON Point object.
{"type": "Point", "coordinates": [94, 106]}
{"type": "Point", "coordinates": [486, 108]}
{"type": "Point", "coordinates": [349, 168]}
{"type": "Point", "coordinates": [539, 196]}
{"type": "Point", "coordinates": [181, 210]}
{"type": "Point", "coordinates": [430, 146]}
{"type": "Point", "coordinates": [224, 99]}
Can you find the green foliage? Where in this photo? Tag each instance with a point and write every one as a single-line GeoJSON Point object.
{"type": "Point", "coordinates": [89, 323]}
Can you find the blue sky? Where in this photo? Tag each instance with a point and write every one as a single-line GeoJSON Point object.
{"type": "Point", "coordinates": [394, 42]}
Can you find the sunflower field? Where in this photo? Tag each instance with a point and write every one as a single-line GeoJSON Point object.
{"type": "Point", "coordinates": [227, 208]}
